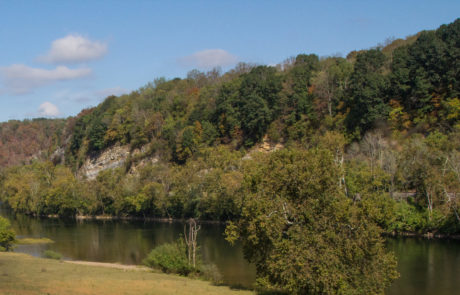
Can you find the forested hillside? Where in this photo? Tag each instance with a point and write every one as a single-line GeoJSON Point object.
{"type": "Point", "coordinates": [388, 117]}
{"type": "Point", "coordinates": [24, 141]}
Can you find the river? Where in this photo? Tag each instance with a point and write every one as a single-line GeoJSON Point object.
{"type": "Point", "coordinates": [426, 266]}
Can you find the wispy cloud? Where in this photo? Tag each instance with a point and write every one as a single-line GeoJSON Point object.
{"type": "Point", "coordinates": [74, 49]}
{"type": "Point", "coordinates": [22, 79]}
{"type": "Point", "coordinates": [209, 58]}
{"type": "Point", "coordinates": [73, 95]}
{"type": "Point", "coordinates": [88, 96]}
{"type": "Point", "coordinates": [47, 109]}
{"type": "Point", "coordinates": [103, 93]}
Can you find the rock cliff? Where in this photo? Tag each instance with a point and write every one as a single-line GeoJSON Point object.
{"type": "Point", "coordinates": [113, 157]}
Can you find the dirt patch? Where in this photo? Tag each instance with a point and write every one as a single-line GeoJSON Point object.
{"type": "Point", "coordinates": [110, 265]}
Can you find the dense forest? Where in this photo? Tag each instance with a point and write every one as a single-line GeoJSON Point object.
{"type": "Point", "coordinates": [388, 118]}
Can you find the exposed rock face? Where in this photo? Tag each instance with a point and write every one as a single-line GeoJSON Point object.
{"type": "Point", "coordinates": [113, 157]}
{"type": "Point", "coordinates": [266, 146]}
{"type": "Point", "coordinates": [117, 156]}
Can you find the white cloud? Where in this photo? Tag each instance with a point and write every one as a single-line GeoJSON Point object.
{"type": "Point", "coordinates": [74, 49]}
{"type": "Point", "coordinates": [21, 79]}
{"type": "Point", "coordinates": [209, 58]}
{"type": "Point", "coordinates": [48, 109]}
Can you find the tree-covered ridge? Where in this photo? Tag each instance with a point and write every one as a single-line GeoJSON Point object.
{"type": "Point", "coordinates": [406, 86]}
{"type": "Point", "coordinates": [23, 141]}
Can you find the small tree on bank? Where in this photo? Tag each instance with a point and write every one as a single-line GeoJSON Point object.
{"type": "Point", "coordinates": [190, 240]}
{"type": "Point", "coordinates": [7, 235]}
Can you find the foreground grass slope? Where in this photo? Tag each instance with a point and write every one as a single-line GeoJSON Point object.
{"type": "Point", "coordinates": [23, 274]}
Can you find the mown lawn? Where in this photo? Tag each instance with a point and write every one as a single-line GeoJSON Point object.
{"type": "Point", "coordinates": [24, 274]}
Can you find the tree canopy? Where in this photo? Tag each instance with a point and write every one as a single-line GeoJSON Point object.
{"type": "Point", "coordinates": [302, 232]}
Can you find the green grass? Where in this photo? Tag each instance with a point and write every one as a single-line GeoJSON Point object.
{"type": "Point", "coordinates": [28, 241]}
{"type": "Point", "coordinates": [22, 274]}
{"type": "Point", "coordinates": [52, 255]}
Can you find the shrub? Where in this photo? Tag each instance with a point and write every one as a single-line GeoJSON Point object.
{"type": "Point", "coordinates": [412, 218]}
{"type": "Point", "coordinates": [407, 218]}
{"type": "Point", "coordinates": [7, 235]}
{"type": "Point", "coordinates": [52, 255]}
{"type": "Point", "coordinates": [170, 258]}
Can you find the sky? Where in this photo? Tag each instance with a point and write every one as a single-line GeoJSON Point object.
{"type": "Point", "coordinates": [59, 57]}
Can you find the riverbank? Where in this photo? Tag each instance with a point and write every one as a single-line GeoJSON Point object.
{"type": "Point", "coordinates": [428, 235]}
{"type": "Point", "coordinates": [110, 265]}
{"type": "Point", "coordinates": [127, 218]}
{"type": "Point", "coordinates": [24, 274]}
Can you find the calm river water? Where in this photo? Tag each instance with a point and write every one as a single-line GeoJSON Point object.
{"type": "Point", "coordinates": [426, 266]}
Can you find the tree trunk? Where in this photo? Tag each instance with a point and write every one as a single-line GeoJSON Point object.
{"type": "Point", "coordinates": [190, 240]}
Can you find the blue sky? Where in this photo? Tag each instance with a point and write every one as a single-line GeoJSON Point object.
{"type": "Point", "coordinates": [58, 57]}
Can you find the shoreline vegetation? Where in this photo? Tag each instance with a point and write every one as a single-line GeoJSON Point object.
{"type": "Point", "coordinates": [428, 236]}
{"type": "Point", "coordinates": [24, 274]}
{"type": "Point", "coordinates": [31, 241]}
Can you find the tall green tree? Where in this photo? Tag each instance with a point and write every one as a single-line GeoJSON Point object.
{"type": "Point", "coordinates": [368, 87]}
{"type": "Point", "coordinates": [303, 234]}
{"type": "Point", "coordinates": [258, 102]}
{"type": "Point", "coordinates": [300, 98]}
{"type": "Point", "coordinates": [331, 83]}
{"type": "Point", "coordinates": [249, 104]}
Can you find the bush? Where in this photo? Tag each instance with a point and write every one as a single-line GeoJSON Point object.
{"type": "Point", "coordinates": [407, 218]}
{"type": "Point", "coordinates": [52, 255]}
{"type": "Point", "coordinates": [411, 218]}
{"type": "Point", "coordinates": [170, 258]}
{"type": "Point", "coordinates": [7, 235]}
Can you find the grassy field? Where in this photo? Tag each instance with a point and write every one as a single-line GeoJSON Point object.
{"type": "Point", "coordinates": [23, 274]}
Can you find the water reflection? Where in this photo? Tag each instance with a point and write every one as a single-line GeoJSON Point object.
{"type": "Point", "coordinates": [128, 242]}
{"type": "Point", "coordinates": [426, 266]}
